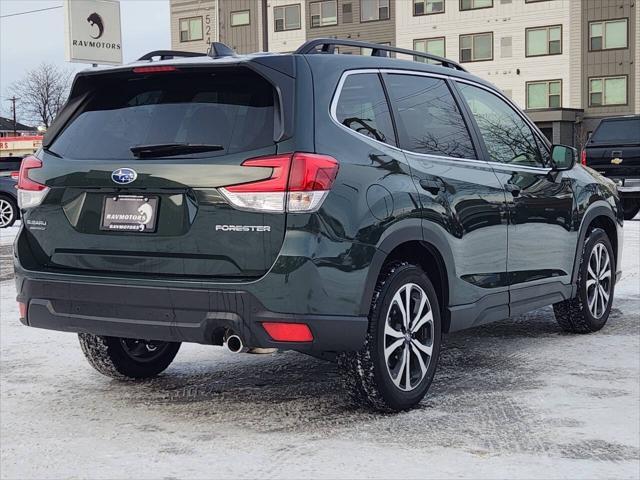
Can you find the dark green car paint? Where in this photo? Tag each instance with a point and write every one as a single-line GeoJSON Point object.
{"type": "Point", "coordinates": [498, 255]}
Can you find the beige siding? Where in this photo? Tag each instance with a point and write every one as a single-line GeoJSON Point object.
{"type": "Point", "coordinates": [377, 32]}
{"type": "Point", "coordinates": [207, 9]}
{"type": "Point", "coordinates": [246, 38]}
{"type": "Point", "coordinates": [288, 40]}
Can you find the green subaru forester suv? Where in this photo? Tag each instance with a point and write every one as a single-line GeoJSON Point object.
{"type": "Point", "coordinates": [354, 208]}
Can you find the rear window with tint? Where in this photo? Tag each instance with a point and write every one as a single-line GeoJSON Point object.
{"type": "Point", "coordinates": [234, 109]}
{"type": "Point", "coordinates": [618, 131]}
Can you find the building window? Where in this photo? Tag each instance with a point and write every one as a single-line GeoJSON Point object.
{"type": "Point", "coordinates": [190, 29]}
{"type": "Point", "coordinates": [371, 10]}
{"type": "Point", "coordinates": [323, 13]}
{"type": "Point", "coordinates": [474, 4]}
{"type": "Point", "coordinates": [547, 94]}
{"type": "Point", "coordinates": [347, 13]}
{"type": "Point", "coordinates": [434, 46]}
{"type": "Point", "coordinates": [427, 7]}
{"type": "Point", "coordinates": [544, 41]}
{"type": "Point", "coordinates": [476, 47]}
{"type": "Point", "coordinates": [505, 47]}
{"type": "Point", "coordinates": [240, 18]}
{"type": "Point", "coordinates": [286, 17]}
{"type": "Point", "coordinates": [607, 91]}
{"type": "Point", "coordinates": [608, 35]}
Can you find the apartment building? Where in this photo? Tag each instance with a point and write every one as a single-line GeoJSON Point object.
{"type": "Point", "coordinates": [569, 63]}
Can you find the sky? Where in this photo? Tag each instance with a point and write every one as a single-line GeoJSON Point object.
{"type": "Point", "coordinates": [28, 40]}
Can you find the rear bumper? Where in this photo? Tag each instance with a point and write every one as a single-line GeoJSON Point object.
{"type": "Point", "coordinates": [174, 314]}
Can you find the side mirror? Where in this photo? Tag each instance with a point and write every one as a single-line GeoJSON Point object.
{"type": "Point", "coordinates": [563, 157]}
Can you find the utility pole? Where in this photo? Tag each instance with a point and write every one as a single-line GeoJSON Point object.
{"type": "Point", "coordinates": [13, 102]}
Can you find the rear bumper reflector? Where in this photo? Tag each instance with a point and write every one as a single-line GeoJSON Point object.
{"type": "Point", "coordinates": [288, 332]}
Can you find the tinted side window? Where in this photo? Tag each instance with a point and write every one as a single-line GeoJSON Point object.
{"type": "Point", "coordinates": [363, 107]}
{"type": "Point", "coordinates": [508, 138]}
{"type": "Point", "coordinates": [429, 121]}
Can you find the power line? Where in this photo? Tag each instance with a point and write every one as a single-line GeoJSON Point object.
{"type": "Point", "coordinates": [30, 11]}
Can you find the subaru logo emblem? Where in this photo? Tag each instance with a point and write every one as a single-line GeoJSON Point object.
{"type": "Point", "coordinates": [124, 175]}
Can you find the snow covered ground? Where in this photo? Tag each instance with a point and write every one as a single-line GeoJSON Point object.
{"type": "Point", "coordinates": [515, 399]}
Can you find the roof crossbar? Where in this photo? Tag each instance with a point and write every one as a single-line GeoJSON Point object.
{"type": "Point", "coordinates": [328, 45]}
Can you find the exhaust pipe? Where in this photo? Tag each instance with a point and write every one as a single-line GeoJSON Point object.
{"type": "Point", "coordinates": [234, 343]}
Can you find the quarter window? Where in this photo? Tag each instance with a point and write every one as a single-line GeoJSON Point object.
{"type": "Point", "coordinates": [608, 35]}
{"type": "Point", "coordinates": [473, 4]}
{"type": "Point", "coordinates": [427, 7]}
{"type": "Point", "coordinates": [363, 107]}
{"type": "Point", "coordinates": [508, 138]}
{"type": "Point", "coordinates": [607, 91]}
{"type": "Point", "coordinates": [476, 47]}
{"type": "Point", "coordinates": [544, 41]}
{"type": "Point", "coordinates": [429, 121]}
{"type": "Point", "coordinates": [434, 46]}
{"type": "Point", "coordinates": [371, 10]}
{"type": "Point", "coordinates": [240, 18]}
{"type": "Point", "coordinates": [546, 94]}
{"type": "Point", "coordinates": [323, 13]}
{"type": "Point", "coordinates": [286, 17]}
{"type": "Point", "coordinates": [190, 29]}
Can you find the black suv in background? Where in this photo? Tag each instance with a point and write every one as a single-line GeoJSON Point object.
{"type": "Point", "coordinates": [614, 151]}
{"type": "Point", "coordinates": [353, 208]}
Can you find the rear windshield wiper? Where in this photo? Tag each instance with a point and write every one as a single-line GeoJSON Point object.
{"type": "Point", "coordinates": [169, 149]}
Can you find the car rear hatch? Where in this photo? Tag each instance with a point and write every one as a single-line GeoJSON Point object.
{"type": "Point", "coordinates": [614, 148]}
{"type": "Point", "coordinates": [134, 175]}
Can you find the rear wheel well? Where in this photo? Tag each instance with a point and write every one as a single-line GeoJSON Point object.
{"type": "Point", "coordinates": [427, 257]}
{"type": "Point", "coordinates": [608, 225]}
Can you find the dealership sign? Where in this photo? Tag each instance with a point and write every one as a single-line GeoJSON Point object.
{"type": "Point", "coordinates": [92, 31]}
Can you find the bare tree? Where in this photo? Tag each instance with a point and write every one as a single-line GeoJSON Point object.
{"type": "Point", "coordinates": [42, 93]}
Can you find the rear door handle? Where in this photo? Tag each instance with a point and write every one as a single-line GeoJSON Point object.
{"type": "Point", "coordinates": [512, 188]}
{"type": "Point", "coordinates": [433, 185]}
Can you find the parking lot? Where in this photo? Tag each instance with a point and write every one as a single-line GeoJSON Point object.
{"type": "Point", "coordinates": [517, 399]}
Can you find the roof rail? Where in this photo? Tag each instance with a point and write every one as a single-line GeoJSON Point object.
{"type": "Point", "coordinates": [328, 46]}
{"type": "Point", "coordinates": [169, 54]}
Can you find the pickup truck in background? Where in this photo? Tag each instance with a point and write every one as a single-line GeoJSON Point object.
{"type": "Point", "coordinates": [614, 151]}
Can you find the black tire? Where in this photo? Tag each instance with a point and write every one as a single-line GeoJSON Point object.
{"type": "Point", "coordinates": [8, 206]}
{"type": "Point", "coordinates": [365, 374]}
{"type": "Point", "coordinates": [124, 358]}
{"type": "Point", "coordinates": [631, 207]}
{"type": "Point", "coordinates": [574, 315]}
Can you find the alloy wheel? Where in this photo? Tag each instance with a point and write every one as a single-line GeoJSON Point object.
{"type": "Point", "coordinates": [408, 337]}
{"type": "Point", "coordinates": [598, 280]}
{"type": "Point", "coordinates": [6, 213]}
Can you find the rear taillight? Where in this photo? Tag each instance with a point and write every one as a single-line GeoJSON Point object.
{"type": "Point", "coordinates": [299, 182]}
{"type": "Point", "coordinates": [583, 157]}
{"type": "Point", "coordinates": [22, 309]}
{"type": "Point", "coordinates": [30, 192]}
